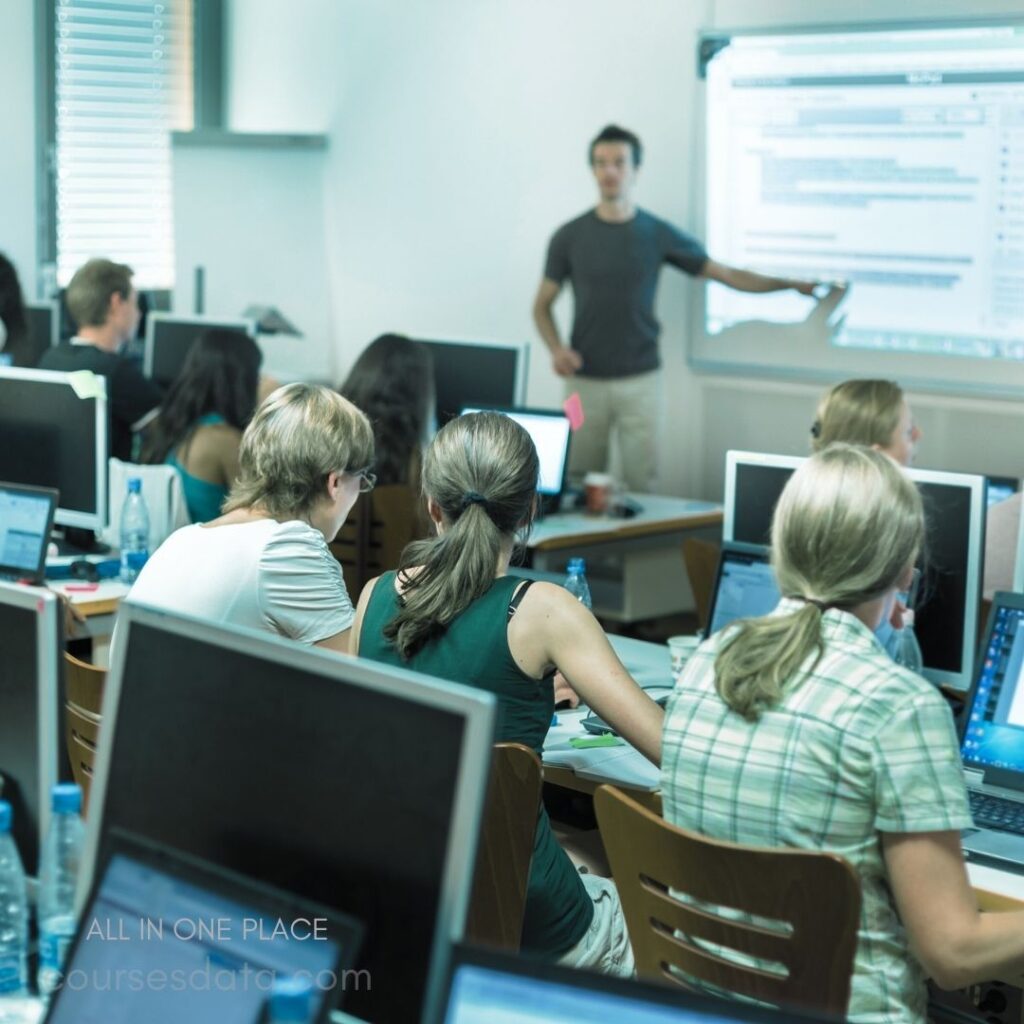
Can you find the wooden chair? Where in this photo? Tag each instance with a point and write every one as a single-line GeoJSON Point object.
{"type": "Point", "coordinates": [701, 560]}
{"type": "Point", "coordinates": [503, 860]}
{"type": "Point", "coordinates": [817, 895]}
{"type": "Point", "coordinates": [377, 529]}
{"type": "Point", "coordinates": [84, 683]}
{"type": "Point", "coordinates": [82, 719]}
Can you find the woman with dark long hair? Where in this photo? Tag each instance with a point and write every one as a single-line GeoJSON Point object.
{"type": "Point", "coordinates": [392, 381]}
{"type": "Point", "coordinates": [199, 427]}
{"type": "Point", "coordinates": [453, 611]}
{"type": "Point", "coordinates": [16, 344]}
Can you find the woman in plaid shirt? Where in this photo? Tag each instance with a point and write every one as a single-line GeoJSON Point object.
{"type": "Point", "coordinates": [798, 730]}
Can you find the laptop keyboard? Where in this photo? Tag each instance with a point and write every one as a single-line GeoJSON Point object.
{"type": "Point", "coordinates": [995, 812]}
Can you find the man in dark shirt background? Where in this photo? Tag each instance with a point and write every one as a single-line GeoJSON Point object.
{"type": "Point", "coordinates": [613, 255]}
{"type": "Point", "coordinates": [104, 303]}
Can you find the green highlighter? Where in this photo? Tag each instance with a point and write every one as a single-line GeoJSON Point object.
{"type": "Point", "coordinates": [586, 742]}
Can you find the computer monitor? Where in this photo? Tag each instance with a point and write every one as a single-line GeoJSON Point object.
{"type": "Point", "coordinates": [745, 586]}
{"type": "Point", "coordinates": [167, 938]}
{"type": "Point", "coordinates": [489, 986]}
{"type": "Point", "coordinates": [54, 427]}
{"type": "Point", "coordinates": [30, 678]}
{"type": "Point", "coordinates": [551, 434]}
{"type": "Point", "coordinates": [169, 336]}
{"type": "Point", "coordinates": [43, 324]}
{"type": "Point", "coordinates": [1001, 487]}
{"type": "Point", "coordinates": [948, 603]}
{"type": "Point", "coordinates": [352, 784]}
{"type": "Point", "coordinates": [487, 375]}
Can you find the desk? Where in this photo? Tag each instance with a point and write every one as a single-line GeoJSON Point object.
{"type": "Point", "coordinates": [634, 566]}
{"type": "Point", "coordinates": [99, 606]}
{"type": "Point", "coordinates": [584, 770]}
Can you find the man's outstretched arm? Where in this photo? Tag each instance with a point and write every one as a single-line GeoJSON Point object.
{"type": "Point", "coordinates": [751, 281]}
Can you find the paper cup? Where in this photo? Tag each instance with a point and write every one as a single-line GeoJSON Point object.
{"type": "Point", "coordinates": [680, 648]}
{"type": "Point", "coordinates": [598, 489]}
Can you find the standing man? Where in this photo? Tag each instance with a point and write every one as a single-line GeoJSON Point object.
{"type": "Point", "coordinates": [613, 254]}
{"type": "Point", "coordinates": [104, 303]}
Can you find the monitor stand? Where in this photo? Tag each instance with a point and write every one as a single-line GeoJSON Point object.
{"type": "Point", "coordinates": [77, 541]}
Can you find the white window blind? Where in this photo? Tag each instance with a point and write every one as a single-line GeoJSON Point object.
{"type": "Point", "coordinates": [123, 83]}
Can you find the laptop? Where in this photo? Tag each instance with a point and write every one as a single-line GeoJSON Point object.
{"type": "Point", "coordinates": [491, 987]}
{"type": "Point", "coordinates": [26, 518]}
{"type": "Point", "coordinates": [745, 586]}
{"type": "Point", "coordinates": [166, 938]}
{"type": "Point", "coordinates": [551, 434]}
{"type": "Point", "coordinates": [992, 739]}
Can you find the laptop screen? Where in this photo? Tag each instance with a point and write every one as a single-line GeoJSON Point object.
{"type": "Point", "coordinates": [482, 995]}
{"type": "Point", "coordinates": [745, 588]}
{"type": "Point", "coordinates": [550, 433]}
{"type": "Point", "coordinates": [158, 947]}
{"type": "Point", "coordinates": [25, 520]}
{"type": "Point", "coordinates": [993, 734]}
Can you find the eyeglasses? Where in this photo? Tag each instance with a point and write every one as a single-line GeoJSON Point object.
{"type": "Point", "coordinates": [367, 480]}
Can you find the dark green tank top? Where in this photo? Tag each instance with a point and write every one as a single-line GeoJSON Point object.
{"type": "Point", "coordinates": [474, 651]}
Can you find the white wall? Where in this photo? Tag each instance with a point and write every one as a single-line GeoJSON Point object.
{"type": "Point", "coordinates": [17, 130]}
{"type": "Point", "coordinates": [458, 135]}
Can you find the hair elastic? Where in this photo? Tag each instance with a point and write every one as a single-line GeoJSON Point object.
{"type": "Point", "coordinates": [473, 498]}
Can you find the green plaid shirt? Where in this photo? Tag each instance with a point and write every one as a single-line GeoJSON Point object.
{"type": "Point", "coordinates": [857, 747]}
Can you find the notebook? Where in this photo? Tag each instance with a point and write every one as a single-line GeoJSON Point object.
{"type": "Point", "coordinates": [166, 938]}
{"type": "Point", "coordinates": [490, 987]}
{"type": "Point", "coordinates": [745, 586]}
{"type": "Point", "coordinates": [26, 518]}
{"type": "Point", "coordinates": [992, 739]}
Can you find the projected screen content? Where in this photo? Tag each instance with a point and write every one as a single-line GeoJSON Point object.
{"type": "Point", "coordinates": [891, 160]}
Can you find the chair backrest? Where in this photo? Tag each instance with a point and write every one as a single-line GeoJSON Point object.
{"type": "Point", "coordinates": [811, 900]}
{"type": "Point", "coordinates": [503, 860]}
{"type": "Point", "coordinates": [84, 683]}
{"type": "Point", "coordinates": [82, 734]}
{"type": "Point", "coordinates": [701, 560]}
{"type": "Point", "coordinates": [379, 526]}
{"type": "Point", "coordinates": [165, 500]}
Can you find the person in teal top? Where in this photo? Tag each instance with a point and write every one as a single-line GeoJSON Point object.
{"type": "Point", "coordinates": [200, 423]}
{"type": "Point", "coordinates": [453, 611]}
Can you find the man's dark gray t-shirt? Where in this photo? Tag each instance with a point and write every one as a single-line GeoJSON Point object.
{"type": "Point", "coordinates": [614, 273]}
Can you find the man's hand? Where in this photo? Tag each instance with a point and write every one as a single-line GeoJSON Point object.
{"type": "Point", "coordinates": [806, 287]}
{"type": "Point", "coordinates": [566, 361]}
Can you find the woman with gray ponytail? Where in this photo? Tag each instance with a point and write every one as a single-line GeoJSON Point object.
{"type": "Point", "coordinates": [453, 611]}
{"type": "Point", "coordinates": [798, 730]}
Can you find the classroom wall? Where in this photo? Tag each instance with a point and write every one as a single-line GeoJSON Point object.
{"type": "Point", "coordinates": [17, 130]}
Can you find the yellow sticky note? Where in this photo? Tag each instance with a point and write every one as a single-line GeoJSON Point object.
{"type": "Point", "coordinates": [87, 384]}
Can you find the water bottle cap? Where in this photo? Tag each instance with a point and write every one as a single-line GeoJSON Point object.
{"type": "Point", "coordinates": [577, 565]}
{"type": "Point", "coordinates": [290, 1000]}
{"type": "Point", "coordinates": [6, 816]}
{"type": "Point", "coordinates": [134, 485]}
{"type": "Point", "coordinates": [67, 798]}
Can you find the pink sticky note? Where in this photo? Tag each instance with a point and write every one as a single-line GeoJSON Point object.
{"type": "Point", "coordinates": [574, 410]}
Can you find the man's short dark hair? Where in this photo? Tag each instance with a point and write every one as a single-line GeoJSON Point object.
{"type": "Point", "coordinates": [90, 290]}
{"type": "Point", "coordinates": [613, 133]}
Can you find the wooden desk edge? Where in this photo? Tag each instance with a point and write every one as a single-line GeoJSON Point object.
{"type": "Point", "coordinates": [624, 529]}
{"type": "Point", "coordinates": [106, 606]}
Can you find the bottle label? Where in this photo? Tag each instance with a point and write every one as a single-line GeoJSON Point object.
{"type": "Point", "coordinates": [10, 973]}
{"type": "Point", "coordinates": [134, 560]}
{"type": "Point", "coordinates": [53, 948]}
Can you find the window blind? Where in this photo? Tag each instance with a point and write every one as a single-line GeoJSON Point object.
{"type": "Point", "coordinates": [123, 83]}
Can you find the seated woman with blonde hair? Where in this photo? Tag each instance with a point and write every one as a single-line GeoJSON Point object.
{"type": "Point", "coordinates": [874, 413]}
{"type": "Point", "coordinates": [264, 563]}
{"type": "Point", "coordinates": [796, 730]}
{"type": "Point", "coordinates": [453, 611]}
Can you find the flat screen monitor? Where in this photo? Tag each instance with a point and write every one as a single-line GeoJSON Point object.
{"type": "Point", "coordinates": [949, 598]}
{"type": "Point", "coordinates": [550, 431]}
{"type": "Point", "coordinates": [745, 587]}
{"type": "Point", "coordinates": [354, 785]}
{"type": "Point", "coordinates": [1001, 487]}
{"type": "Point", "coordinates": [487, 375]}
{"type": "Point", "coordinates": [54, 427]}
{"type": "Point", "coordinates": [43, 325]}
{"type": "Point", "coordinates": [30, 664]}
{"type": "Point", "coordinates": [169, 337]}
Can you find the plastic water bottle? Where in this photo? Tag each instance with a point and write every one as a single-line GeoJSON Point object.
{"type": "Point", "coordinates": [906, 651]}
{"type": "Point", "coordinates": [291, 1001]}
{"type": "Point", "coordinates": [13, 914]}
{"type": "Point", "coordinates": [58, 876]}
{"type": "Point", "coordinates": [576, 581]}
{"type": "Point", "coordinates": [134, 532]}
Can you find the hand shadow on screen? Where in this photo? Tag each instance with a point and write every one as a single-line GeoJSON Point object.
{"type": "Point", "coordinates": [823, 323]}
